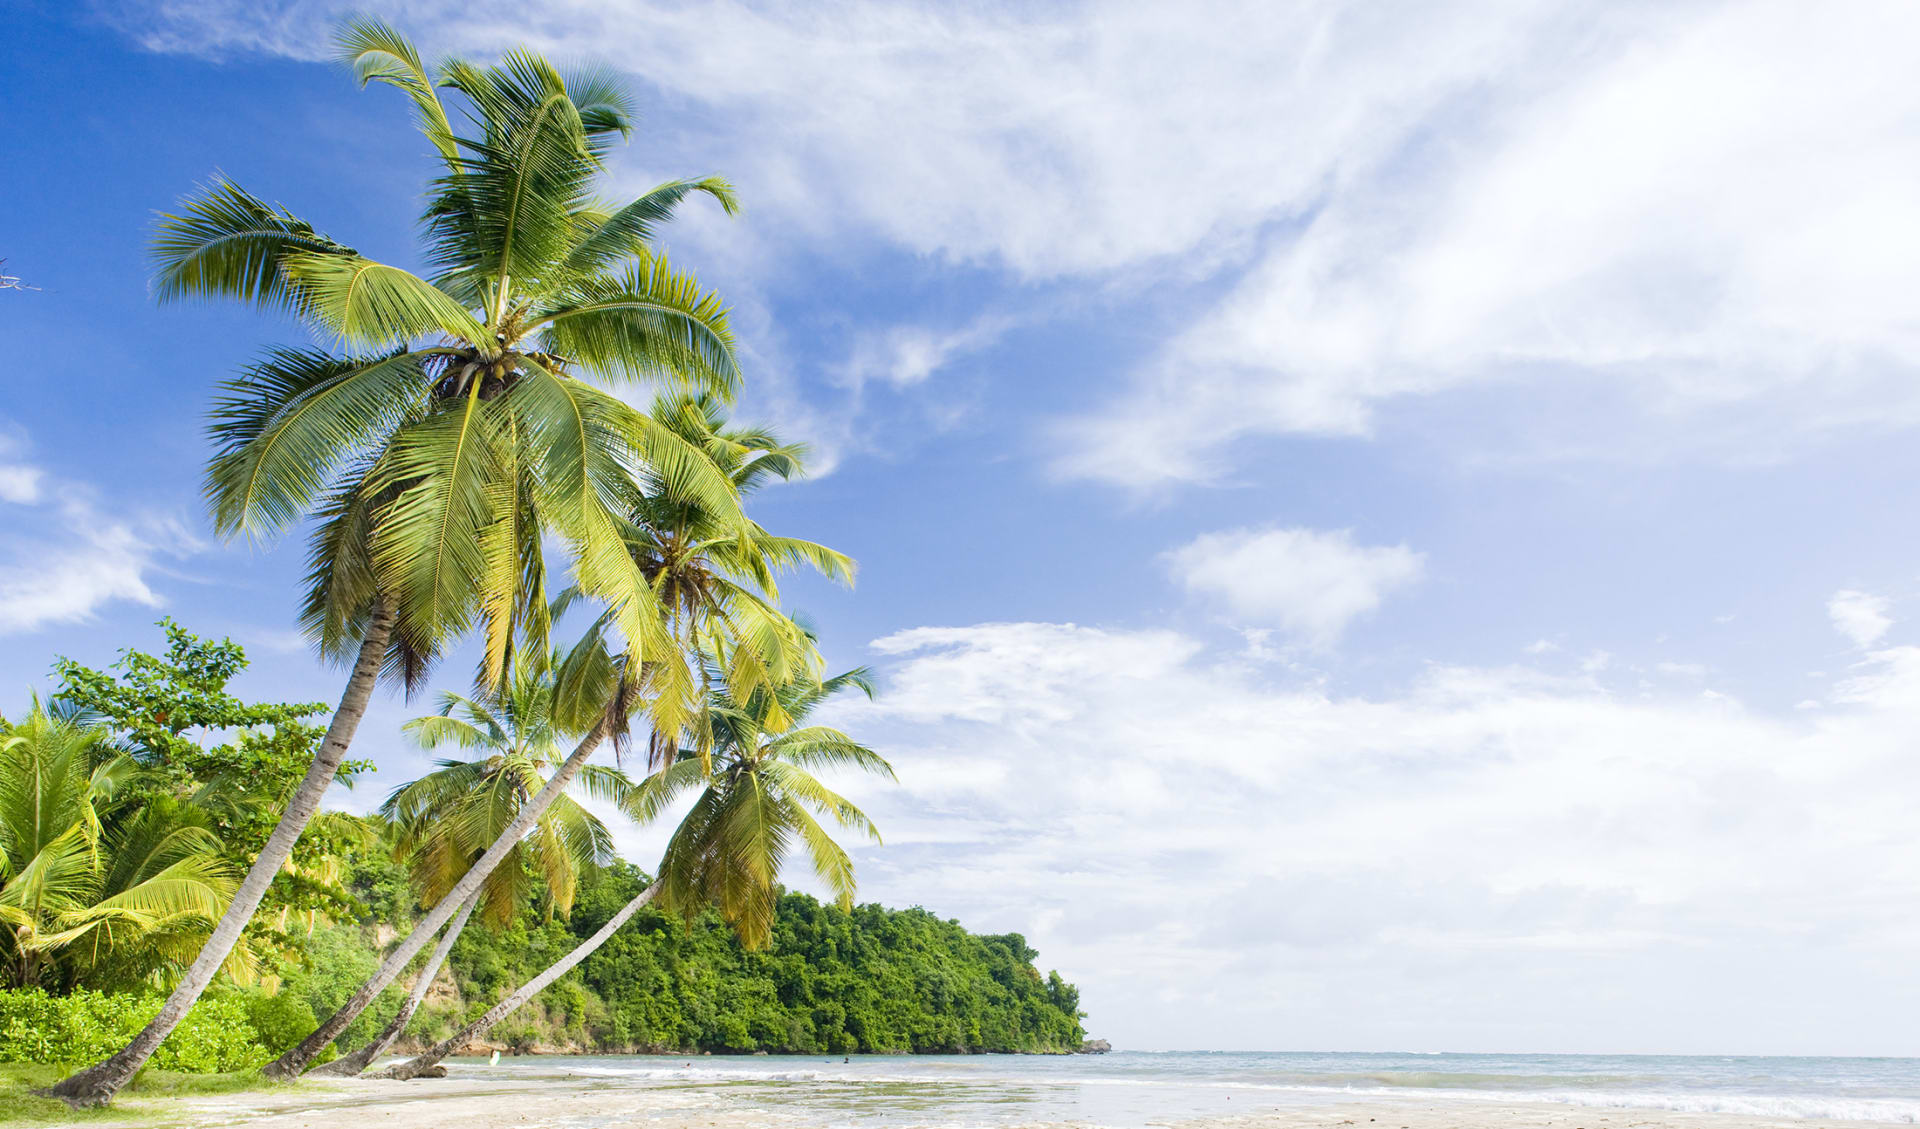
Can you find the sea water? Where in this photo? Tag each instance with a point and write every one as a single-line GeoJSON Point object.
{"type": "Point", "coordinates": [1134, 1090]}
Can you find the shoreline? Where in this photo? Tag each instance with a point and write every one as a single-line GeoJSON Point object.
{"type": "Point", "coordinates": [465, 1101]}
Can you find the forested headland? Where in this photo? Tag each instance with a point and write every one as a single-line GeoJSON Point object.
{"type": "Point", "coordinates": [873, 980]}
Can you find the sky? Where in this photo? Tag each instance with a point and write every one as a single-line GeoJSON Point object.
{"type": "Point", "coordinates": [1381, 526]}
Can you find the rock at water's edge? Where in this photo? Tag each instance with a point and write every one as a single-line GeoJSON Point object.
{"type": "Point", "coordinates": [1095, 1047]}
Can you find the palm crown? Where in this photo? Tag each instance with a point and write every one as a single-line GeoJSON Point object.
{"type": "Point", "coordinates": [449, 431]}
{"type": "Point", "coordinates": [449, 817]}
{"type": "Point", "coordinates": [759, 801]}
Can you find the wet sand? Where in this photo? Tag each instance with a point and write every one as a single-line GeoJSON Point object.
{"type": "Point", "coordinates": [578, 1103]}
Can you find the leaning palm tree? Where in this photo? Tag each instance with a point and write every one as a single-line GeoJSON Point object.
{"type": "Point", "coordinates": [448, 435]}
{"type": "Point", "coordinates": [711, 577]}
{"type": "Point", "coordinates": [756, 805]}
{"type": "Point", "coordinates": [448, 818]}
{"type": "Point", "coordinates": [88, 886]}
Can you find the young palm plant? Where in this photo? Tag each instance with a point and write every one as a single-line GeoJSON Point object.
{"type": "Point", "coordinates": [88, 888]}
{"type": "Point", "coordinates": [449, 817]}
{"type": "Point", "coordinates": [449, 433]}
{"type": "Point", "coordinates": [759, 803]}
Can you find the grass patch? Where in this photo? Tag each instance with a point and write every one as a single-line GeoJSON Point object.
{"type": "Point", "coordinates": [19, 1105]}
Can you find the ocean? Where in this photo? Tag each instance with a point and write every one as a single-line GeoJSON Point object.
{"type": "Point", "coordinates": [1136, 1090]}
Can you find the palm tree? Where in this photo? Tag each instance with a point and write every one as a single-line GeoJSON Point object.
{"type": "Point", "coordinates": [449, 434]}
{"type": "Point", "coordinates": [756, 805]}
{"type": "Point", "coordinates": [712, 579]}
{"type": "Point", "coordinates": [448, 817]}
{"type": "Point", "coordinates": [717, 577]}
{"type": "Point", "coordinates": [94, 888]}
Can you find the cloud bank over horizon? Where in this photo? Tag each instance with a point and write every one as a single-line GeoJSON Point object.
{"type": "Point", "coordinates": [1179, 826]}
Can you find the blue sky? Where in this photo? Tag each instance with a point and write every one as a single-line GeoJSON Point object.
{"type": "Point", "coordinates": [1381, 528]}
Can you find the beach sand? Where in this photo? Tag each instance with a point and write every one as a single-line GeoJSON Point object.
{"type": "Point", "coordinates": [474, 1103]}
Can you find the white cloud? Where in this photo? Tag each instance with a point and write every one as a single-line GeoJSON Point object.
{"type": "Point", "coordinates": [1683, 670]}
{"type": "Point", "coordinates": [19, 484]}
{"type": "Point", "coordinates": [65, 557]}
{"type": "Point", "coordinates": [1311, 583]}
{"type": "Point", "coordinates": [1860, 616]}
{"type": "Point", "coordinates": [1702, 217]}
{"type": "Point", "coordinates": [904, 356]}
{"type": "Point", "coordinates": [1223, 858]}
{"type": "Point", "coordinates": [1070, 141]}
{"type": "Point", "coordinates": [1699, 210]}
{"type": "Point", "coordinates": [19, 479]}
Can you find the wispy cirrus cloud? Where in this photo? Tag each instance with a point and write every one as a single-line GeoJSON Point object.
{"type": "Point", "coordinates": [1695, 212]}
{"type": "Point", "coordinates": [65, 556]}
{"type": "Point", "coordinates": [906, 355]}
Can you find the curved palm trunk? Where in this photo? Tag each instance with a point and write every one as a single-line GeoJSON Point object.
{"type": "Point", "coordinates": [352, 1064]}
{"type": "Point", "coordinates": [97, 1084]}
{"type": "Point", "coordinates": [295, 1062]}
{"type": "Point", "coordinates": [415, 1067]}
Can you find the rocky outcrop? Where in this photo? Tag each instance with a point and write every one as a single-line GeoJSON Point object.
{"type": "Point", "coordinates": [1095, 1047]}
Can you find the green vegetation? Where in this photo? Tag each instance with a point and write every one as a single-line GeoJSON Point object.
{"type": "Point", "coordinates": [219, 1036]}
{"type": "Point", "coordinates": [726, 963]}
{"type": "Point", "coordinates": [868, 980]}
{"type": "Point", "coordinates": [872, 980]}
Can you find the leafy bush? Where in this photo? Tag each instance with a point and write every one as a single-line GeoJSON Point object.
{"type": "Point", "coordinates": [281, 1021]}
{"type": "Point", "coordinates": [216, 1036]}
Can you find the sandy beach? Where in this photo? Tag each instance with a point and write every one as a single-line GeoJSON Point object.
{"type": "Point", "coordinates": [458, 1102]}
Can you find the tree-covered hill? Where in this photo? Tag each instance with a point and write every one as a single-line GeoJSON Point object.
{"type": "Point", "coordinates": [874, 980]}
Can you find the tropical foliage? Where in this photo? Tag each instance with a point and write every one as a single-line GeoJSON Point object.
{"type": "Point", "coordinates": [729, 848]}
{"type": "Point", "coordinates": [221, 1035]}
{"type": "Point", "coordinates": [98, 890]}
{"type": "Point", "coordinates": [757, 802]}
{"type": "Point", "coordinates": [162, 708]}
{"type": "Point", "coordinates": [449, 433]}
{"type": "Point", "coordinates": [868, 980]}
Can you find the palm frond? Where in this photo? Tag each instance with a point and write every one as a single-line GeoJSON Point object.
{"type": "Point", "coordinates": [375, 52]}
{"type": "Point", "coordinates": [371, 305]}
{"type": "Point", "coordinates": [286, 425]}
{"type": "Point", "coordinates": [429, 549]}
{"type": "Point", "coordinates": [628, 232]}
{"type": "Point", "coordinates": [228, 243]}
{"type": "Point", "coordinates": [652, 323]}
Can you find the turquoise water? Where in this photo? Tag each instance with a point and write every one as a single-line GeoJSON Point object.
{"type": "Point", "coordinates": [1133, 1090]}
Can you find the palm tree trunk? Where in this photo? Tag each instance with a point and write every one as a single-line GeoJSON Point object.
{"type": "Point", "coordinates": [97, 1084]}
{"type": "Point", "coordinates": [295, 1062]}
{"type": "Point", "coordinates": [352, 1064]}
{"type": "Point", "coordinates": [414, 1067]}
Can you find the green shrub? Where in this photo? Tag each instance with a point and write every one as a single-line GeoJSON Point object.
{"type": "Point", "coordinates": [216, 1036]}
{"type": "Point", "coordinates": [281, 1021]}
